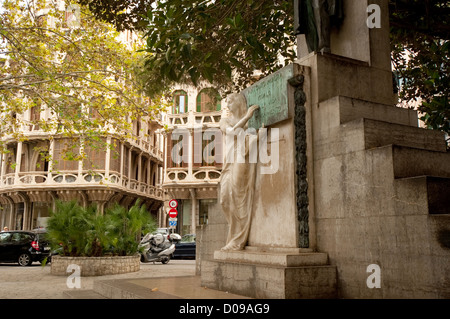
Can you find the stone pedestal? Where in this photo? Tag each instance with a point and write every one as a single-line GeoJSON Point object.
{"type": "Point", "coordinates": [271, 273]}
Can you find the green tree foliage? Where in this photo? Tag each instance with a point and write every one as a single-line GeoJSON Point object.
{"type": "Point", "coordinates": [81, 72]}
{"type": "Point", "coordinates": [225, 40]}
{"type": "Point", "coordinates": [79, 231]}
{"type": "Point", "coordinates": [420, 37]}
{"type": "Point", "coordinates": [222, 42]}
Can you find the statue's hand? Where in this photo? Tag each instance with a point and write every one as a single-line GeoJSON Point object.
{"type": "Point", "coordinates": [252, 109]}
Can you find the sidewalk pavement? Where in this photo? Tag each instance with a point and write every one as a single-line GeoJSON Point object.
{"type": "Point", "coordinates": [153, 281]}
{"type": "Point", "coordinates": [179, 287]}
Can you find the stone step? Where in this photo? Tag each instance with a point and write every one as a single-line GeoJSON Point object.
{"type": "Point", "coordinates": [273, 258]}
{"type": "Point", "coordinates": [341, 109]}
{"type": "Point", "coordinates": [346, 126]}
{"type": "Point", "coordinates": [435, 191]}
{"type": "Point", "coordinates": [82, 294]}
{"type": "Point", "coordinates": [412, 162]}
{"type": "Point", "coordinates": [182, 287]}
{"type": "Point", "coordinates": [353, 109]}
{"type": "Point", "coordinates": [364, 134]}
{"type": "Point", "coordinates": [120, 289]}
{"type": "Point", "coordinates": [379, 133]}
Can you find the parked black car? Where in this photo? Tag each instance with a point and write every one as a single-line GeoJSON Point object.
{"type": "Point", "coordinates": [23, 247]}
{"type": "Point", "coordinates": [186, 247]}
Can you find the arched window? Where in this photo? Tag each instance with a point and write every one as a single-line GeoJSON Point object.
{"type": "Point", "coordinates": [180, 102]}
{"type": "Point", "coordinates": [208, 100]}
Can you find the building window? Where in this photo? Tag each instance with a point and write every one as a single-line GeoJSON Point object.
{"type": "Point", "coordinates": [35, 116]}
{"type": "Point", "coordinates": [95, 158]}
{"type": "Point", "coordinates": [94, 114]}
{"type": "Point", "coordinates": [176, 148]}
{"type": "Point", "coordinates": [186, 219]}
{"type": "Point", "coordinates": [137, 126]}
{"type": "Point", "coordinates": [42, 165]}
{"type": "Point", "coordinates": [208, 148]}
{"type": "Point", "coordinates": [41, 213]}
{"type": "Point", "coordinates": [126, 151]}
{"type": "Point", "coordinates": [208, 100]}
{"type": "Point", "coordinates": [20, 209]}
{"type": "Point", "coordinates": [72, 16]}
{"type": "Point", "coordinates": [66, 153]}
{"type": "Point", "coordinates": [10, 160]}
{"type": "Point", "coordinates": [180, 102]}
{"type": "Point", "coordinates": [114, 165]}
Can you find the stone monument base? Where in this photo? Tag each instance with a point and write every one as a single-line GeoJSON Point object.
{"type": "Point", "coordinates": [271, 273]}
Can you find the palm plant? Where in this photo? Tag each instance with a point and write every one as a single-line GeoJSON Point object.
{"type": "Point", "coordinates": [83, 232]}
{"type": "Point", "coordinates": [98, 241]}
{"type": "Point", "coordinates": [67, 227]}
{"type": "Point", "coordinates": [127, 226]}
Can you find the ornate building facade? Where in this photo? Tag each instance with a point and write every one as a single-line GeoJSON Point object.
{"type": "Point", "coordinates": [193, 155]}
{"type": "Point", "coordinates": [34, 173]}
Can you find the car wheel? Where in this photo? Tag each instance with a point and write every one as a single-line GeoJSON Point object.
{"type": "Point", "coordinates": [24, 260]}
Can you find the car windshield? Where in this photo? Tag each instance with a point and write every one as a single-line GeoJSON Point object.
{"type": "Point", "coordinates": [188, 238]}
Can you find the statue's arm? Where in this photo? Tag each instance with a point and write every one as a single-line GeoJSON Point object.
{"type": "Point", "coordinates": [252, 109]}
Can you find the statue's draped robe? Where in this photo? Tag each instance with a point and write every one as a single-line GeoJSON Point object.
{"type": "Point", "coordinates": [307, 24]}
{"type": "Point", "coordinates": [237, 186]}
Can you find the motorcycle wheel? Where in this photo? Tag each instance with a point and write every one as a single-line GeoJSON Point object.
{"type": "Point", "coordinates": [165, 260]}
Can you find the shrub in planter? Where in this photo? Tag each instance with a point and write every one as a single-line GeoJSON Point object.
{"type": "Point", "coordinates": [82, 232]}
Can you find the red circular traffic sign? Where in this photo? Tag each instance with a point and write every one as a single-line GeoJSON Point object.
{"type": "Point", "coordinates": [173, 203]}
{"type": "Point", "coordinates": [173, 213]}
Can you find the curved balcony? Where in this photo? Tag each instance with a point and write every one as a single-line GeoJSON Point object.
{"type": "Point", "coordinates": [72, 179]}
{"type": "Point", "coordinates": [208, 175]}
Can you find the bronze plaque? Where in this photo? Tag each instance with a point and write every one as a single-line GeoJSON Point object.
{"type": "Point", "coordinates": [271, 94]}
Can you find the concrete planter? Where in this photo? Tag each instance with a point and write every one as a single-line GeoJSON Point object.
{"type": "Point", "coordinates": [95, 266]}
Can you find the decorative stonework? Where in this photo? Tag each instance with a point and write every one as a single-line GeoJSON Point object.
{"type": "Point", "coordinates": [300, 156]}
{"type": "Point", "coordinates": [100, 194]}
{"type": "Point", "coordinates": [39, 196]}
{"type": "Point", "coordinates": [95, 266]}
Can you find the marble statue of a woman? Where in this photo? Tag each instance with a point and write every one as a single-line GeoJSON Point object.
{"type": "Point", "coordinates": [237, 182]}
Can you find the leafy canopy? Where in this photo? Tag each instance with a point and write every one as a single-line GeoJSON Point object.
{"type": "Point", "coordinates": [420, 38]}
{"type": "Point", "coordinates": [224, 41]}
{"type": "Point", "coordinates": [81, 74]}
{"type": "Point", "coordinates": [221, 42]}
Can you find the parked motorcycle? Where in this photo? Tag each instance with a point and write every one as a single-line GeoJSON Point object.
{"type": "Point", "coordinates": [158, 248]}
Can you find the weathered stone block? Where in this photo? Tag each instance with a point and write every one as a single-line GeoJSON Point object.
{"type": "Point", "coordinates": [95, 266]}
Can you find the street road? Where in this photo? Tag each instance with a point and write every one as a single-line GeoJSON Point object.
{"type": "Point", "coordinates": [36, 281]}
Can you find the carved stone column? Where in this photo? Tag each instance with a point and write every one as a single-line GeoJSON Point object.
{"type": "Point", "coordinates": [18, 162]}
{"type": "Point", "coordinates": [301, 160]}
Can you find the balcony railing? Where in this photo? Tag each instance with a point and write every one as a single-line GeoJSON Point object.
{"type": "Point", "coordinates": [74, 179]}
{"type": "Point", "coordinates": [147, 147]}
{"type": "Point", "coordinates": [30, 129]}
{"type": "Point", "coordinates": [200, 175]}
{"type": "Point", "coordinates": [194, 118]}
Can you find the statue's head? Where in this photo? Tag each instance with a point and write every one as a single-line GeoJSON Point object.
{"type": "Point", "coordinates": [237, 104]}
